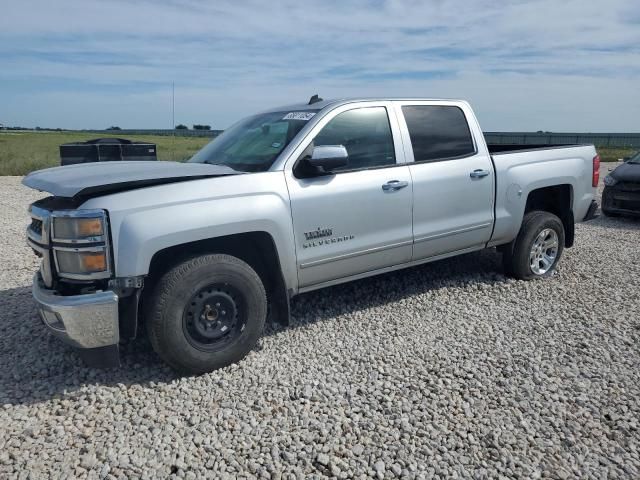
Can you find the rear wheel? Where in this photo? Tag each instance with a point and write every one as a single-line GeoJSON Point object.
{"type": "Point", "coordinates": [537, 249]}
{"type": "Point", "coordinates": [206, 313]}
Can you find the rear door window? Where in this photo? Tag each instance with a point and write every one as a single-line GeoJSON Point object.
{"type": "Point", "coordinates": [438, 132]}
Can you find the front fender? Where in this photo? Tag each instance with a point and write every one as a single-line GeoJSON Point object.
{"type": "Point", "coordinates": [189, 211]}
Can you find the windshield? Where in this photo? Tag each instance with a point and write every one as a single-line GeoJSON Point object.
{"type": "Point", "coordinates": [253, 144]}
{"type": "Point", "coordinates": [635, 158]}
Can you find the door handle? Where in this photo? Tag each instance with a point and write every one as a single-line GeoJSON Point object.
{"type": "Point", "coordinates": [393, 185]}
{"type": "Point", "coordinates": [479, 173]}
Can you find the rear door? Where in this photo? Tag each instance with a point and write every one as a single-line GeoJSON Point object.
{"type": "Point", "coordinates": [358, 219]}
{"type": "Point", "coordinates": [452, 174]}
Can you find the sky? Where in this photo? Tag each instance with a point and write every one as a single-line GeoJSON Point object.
{"type": "Point", "coordinates": [553, 65]}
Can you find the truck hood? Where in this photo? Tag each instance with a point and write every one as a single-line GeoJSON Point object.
{"type": "Point", "coordinates": [93, 179]}
{"type": "Point", "coordinates": [627, 172]}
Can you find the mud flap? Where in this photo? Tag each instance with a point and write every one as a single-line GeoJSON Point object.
{"type": "Point", "coordinates": [101, 357]}
{"type": "Point", "coordinates": [591, 213]}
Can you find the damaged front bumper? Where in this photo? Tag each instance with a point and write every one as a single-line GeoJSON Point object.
{"type": "Point", "coordinates": [622, 199]}
{"type": "Point", "coordinates": [88, 322]}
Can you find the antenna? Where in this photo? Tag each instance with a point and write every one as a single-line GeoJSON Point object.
{"type": "Point", "coordinates": [173, 105]}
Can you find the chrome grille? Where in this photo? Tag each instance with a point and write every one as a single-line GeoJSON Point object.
{"type": "Point", "coordinates": [628, 186]}
{"type": "Point", "coordinates": [36, 226]}
{"type": "Point", "coordinates": [38, 240]}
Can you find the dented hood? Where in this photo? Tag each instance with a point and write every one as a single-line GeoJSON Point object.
{"type": "Point", "coordinates": [627, 172]}
{"type": "Point", "coordinates": [93, 179]}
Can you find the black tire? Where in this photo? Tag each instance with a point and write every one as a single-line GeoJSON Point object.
{"type": "Point", "coordinates": [187, 332]}
{"type": "Point", "coordinates": [516, 257]}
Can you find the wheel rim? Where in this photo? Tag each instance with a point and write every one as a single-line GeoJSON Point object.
{"type": "Point", "coordinates": [544, 251]}
{"type": "Point", "coordinates": [214, 317]}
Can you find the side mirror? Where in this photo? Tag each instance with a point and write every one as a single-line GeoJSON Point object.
{"type": "Point", "coordinates": [324, 159]}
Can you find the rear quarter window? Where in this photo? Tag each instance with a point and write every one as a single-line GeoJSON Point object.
{"type": "Point", "coordinates": [438, 132]}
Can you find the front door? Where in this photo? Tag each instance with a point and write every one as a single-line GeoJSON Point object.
{"type": "Point", "coordinates": [357, 219]}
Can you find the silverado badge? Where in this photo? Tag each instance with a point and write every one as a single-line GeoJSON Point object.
{"type": "Point", "coordinates": [323, 236]}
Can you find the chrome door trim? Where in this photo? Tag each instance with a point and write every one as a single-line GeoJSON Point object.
{"type": "Point", "coordinates": [355, 254]}
{"type": "Point", "coordinates": [371, 273]}
{"type": "Point", "coordinates": [453, 232]}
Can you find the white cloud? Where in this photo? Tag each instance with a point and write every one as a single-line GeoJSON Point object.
{"type": "Point", "coordinates": [525, 65]}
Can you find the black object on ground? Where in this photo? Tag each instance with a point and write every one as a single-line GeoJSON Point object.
{"type": "Point", "coordinates": [106, 150]}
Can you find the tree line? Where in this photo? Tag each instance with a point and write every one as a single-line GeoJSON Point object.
{"type": "Point", "coordinates": [195, 127]}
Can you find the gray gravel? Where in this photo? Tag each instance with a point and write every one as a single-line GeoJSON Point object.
{"type": "Point", "coordinates": [448, 370]}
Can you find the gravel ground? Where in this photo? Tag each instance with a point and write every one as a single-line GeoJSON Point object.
{"type": "Point", "coordinates": [446, 370]}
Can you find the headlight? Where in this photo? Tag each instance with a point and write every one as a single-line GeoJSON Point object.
{"type": "Point", "coordinates": [81, 261]}
{"type": "Point", "coordinates": [609, 181]}
{"type": "Point", "coordinates": [79, 226]}
{"type": "Point", "coordinates": [80, 242]}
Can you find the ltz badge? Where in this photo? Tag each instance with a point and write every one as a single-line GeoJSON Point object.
{"type": "Point", "coordinates": [322, 236]}
{"type": "Point", "coordinates": [319, 233]}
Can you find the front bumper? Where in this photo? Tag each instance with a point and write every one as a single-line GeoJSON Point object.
{"type": "Point", "coordinates": [624, 202]}
{"type": "Point", "coordinates": [88, 322]}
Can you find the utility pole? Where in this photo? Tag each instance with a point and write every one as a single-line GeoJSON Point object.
{"type": "Point", "coordinates": [173, 121]}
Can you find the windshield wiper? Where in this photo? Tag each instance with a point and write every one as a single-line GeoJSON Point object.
{"type": "Point", "coordinates": [222, 164]}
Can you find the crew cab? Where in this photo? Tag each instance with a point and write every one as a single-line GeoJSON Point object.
{"type": "Point", "coordinates": [284, 202]}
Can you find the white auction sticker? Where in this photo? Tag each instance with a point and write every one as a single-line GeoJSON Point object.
{"type": "Point", "coordinates": [299, 116]}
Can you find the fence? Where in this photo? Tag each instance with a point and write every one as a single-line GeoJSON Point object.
{"type": "Point", "coordinates": [620, 140]}
{"type": "Point", "coordinates": [161, 132]}
{"type": "Point", "coordinates": [616, 140]}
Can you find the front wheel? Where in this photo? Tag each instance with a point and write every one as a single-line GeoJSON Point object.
{"type": "Point", "coordinates": [537, 249]}
{"type": "Point", "coordinates": [206, 313]}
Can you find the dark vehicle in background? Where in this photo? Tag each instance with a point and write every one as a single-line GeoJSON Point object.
{"type": "Point", "coordinates": [106, 150]}
{"type": "Point", "coordinates": [621, 195]}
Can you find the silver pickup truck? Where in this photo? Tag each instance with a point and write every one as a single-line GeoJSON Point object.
{"type": "Point", "coordinates": [283, 202]}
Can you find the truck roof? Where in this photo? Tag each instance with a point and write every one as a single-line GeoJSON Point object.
{"type": "Point", "coordinates": [341, 101]}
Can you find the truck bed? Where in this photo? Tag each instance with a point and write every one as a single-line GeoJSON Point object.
{"type": "Point", "coordinates": [498, 148]}
{"type": "Point", "coordinates": [522, 168]}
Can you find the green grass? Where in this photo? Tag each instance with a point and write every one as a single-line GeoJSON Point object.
{"type": "Point", "coordinates": [614, 154]}
{"type": "Point", "coordinates": [24, 152]}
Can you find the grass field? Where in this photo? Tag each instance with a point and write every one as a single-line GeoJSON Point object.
{"type": "Point", "coordinates": [615, 154]}
{"type": "Point", "coordinates": [24, 152]}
